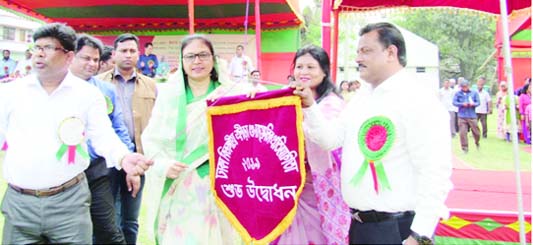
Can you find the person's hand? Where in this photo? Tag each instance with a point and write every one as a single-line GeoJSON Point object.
{"type": "Point", "coordinates": [304, 92]}
{"type": "Point", "coordinates": [251, 94]}
{"type": "Point", "coordinates": [135, 164]}
{"type": "Point", "coordinates": [175, 170]}
{"type": "Point", "coordinates": [490, 111]}
{"type": "Point", "coordinates": [134, 184]}
{"type": "Point", "coordinates": [410, 241]}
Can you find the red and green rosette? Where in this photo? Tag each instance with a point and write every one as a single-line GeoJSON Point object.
{"type": "Point", "coordinates": [375, 138]}
{"type": "Point", "coordinates": [71, 133]}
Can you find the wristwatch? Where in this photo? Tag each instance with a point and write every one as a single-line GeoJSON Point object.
{"type": "Point", "coordinates": [421, 240]}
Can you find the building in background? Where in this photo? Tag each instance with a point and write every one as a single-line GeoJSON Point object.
{"type": "Point", "coordinates": [422, 61]}
{"type": "Point", "coordinates": [16, 33]}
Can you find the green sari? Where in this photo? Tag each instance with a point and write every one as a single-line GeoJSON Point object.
{"type": "Point", "coordinates": [183, 210]}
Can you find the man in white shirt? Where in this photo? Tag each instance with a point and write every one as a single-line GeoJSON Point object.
{"type": "Point", "coordinates": [240, 65]}
{"type": "Point", "coordinates": [446, 94]}
{"type": "Point", "coordinates": [255, 77]}
{"type": "Point", "coordinates": [24, 66]}
{"type": "Point", "coordinates": [485, 105]}
{"type": "Point", "coordinates": [396, 162]}
{"type": "Point", "coordinates": [455, 88]}
{"type": "Point", "coordinates": [46, 119]}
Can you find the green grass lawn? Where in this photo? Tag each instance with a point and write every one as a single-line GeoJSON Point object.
{"type": "Point", "coordinates": [494, 154]}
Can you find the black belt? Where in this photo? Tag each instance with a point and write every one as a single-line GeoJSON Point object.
{"type": "Point", "coordinates": [375, 216]}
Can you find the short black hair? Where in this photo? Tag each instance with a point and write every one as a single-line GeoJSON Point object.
{"type": "Point", "coordinates": [125, 37]}
{"type": "Point", "coordinates": [107, 52]}
{"type": "Point", "coordinates": [254, 71]}
{"type": "Point", "coordinates": [148, 44]}
{"type": "Point", "coordinates": [88, 40]}
{"type": "Point", "coordinates": [240, 46]}
{"type": "Point", "coordinates": [388, 35]}
{"type": "Point", "coordinates": [61, 32]}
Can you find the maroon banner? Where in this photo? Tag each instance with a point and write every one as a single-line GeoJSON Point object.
{"type": "Point", "coordinates": [257, 161]}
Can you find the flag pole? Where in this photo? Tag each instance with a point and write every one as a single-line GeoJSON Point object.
{"type": "Point", "coordinates": [512, 107]}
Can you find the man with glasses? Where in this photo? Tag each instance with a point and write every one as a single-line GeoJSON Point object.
{"type": "Point", "coordinates": [396, 161]}
{"type": "Point", "coordinates": [136, 96]}
{"type": "Point", "coordinates": [85, 65]}
{"type": "Point", "coordinates": [46, 119]}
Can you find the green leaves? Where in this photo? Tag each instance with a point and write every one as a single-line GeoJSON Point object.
{"type": "Point", "coordinates": [465, 39]}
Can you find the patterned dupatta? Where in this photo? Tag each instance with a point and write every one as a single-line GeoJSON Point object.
{"type": "Point", "coordinates": [177, 131]}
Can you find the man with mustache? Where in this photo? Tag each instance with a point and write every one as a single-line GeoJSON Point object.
{"type": "Point", "coordinates": [136, 96]}
{"type": "Point", "coordinates": [47, 118]}
{"type": "Point", "coordinates": [396, 161]}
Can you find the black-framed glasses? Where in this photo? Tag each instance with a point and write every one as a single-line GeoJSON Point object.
{"type": "Point", "coordinates": [203, 56]}
{"type": "Point", "coordinates": [47, 49]}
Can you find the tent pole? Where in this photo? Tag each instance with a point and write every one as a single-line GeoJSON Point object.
{"type": "Point", "coordinates": [512, 106]}
{"type": "Point", "coordinates": [191, 16]}
{"type": "Point", "coordinates": [257, 13]}
{"type": "Point", "coordinates": [335, 46]}
{"type": "Point", "coordinates": [489, 58]}
{"type": "Point", "coordinates": [326, 25]}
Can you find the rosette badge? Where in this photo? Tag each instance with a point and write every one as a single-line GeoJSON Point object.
{"type": "Point", "coordinates": [375, 138]}
{"type": "Point", "coordinates": [71, 132]}
{"type": "Point", "coordinates": [109, 105]}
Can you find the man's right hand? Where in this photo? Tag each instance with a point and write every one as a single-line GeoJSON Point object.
{"type": "Point", "coordinates": [135, 164]}
{"type": "Point", "coordinates": [304, 92]}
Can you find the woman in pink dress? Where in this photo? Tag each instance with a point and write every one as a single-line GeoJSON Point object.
{"type": "Point", "coordinates": [524, 101]}
{"type": "Point", "coordinates": [322, 217]}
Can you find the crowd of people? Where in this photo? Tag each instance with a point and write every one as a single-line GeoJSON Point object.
{"type": "Point", "coordinates": [470, 108]}
{"type": "Point", "coordinates": [82, 96]}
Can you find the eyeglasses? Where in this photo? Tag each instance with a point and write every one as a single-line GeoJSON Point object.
{"type": "Point", "coordinates": [47, 49]}
{"type": "Point", "coordinates": [203, 56]}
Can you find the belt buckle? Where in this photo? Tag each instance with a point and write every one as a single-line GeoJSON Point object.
{"type": "Point", "coordinates": [38, 193]}
{"type": "Point", "coordinates": [356, 217]}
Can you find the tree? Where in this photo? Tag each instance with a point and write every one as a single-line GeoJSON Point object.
{"type": "Point", "coordinates": [465, 40]}
{"type": "Point", "coordinates": [311, 31]}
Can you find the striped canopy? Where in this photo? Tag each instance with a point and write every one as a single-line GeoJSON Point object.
{"type": "Point", "coordinates": [489, 6]}
{"type": "Point", "coordinates": [99, 15]}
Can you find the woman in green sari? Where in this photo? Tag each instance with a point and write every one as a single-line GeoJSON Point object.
{"type": "Point", "coordinates": [176, 137]}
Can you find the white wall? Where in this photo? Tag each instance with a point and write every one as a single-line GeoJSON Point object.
{"type": "Point", "coordinates": [20, 44]}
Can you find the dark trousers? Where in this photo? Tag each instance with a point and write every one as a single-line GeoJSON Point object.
{"type": "Point", "coordinates": [127, 207]}
{"type": "Point", "coordinates": [456, 121]}
{"type": "Point", "coordinates": [481, 117]}
{"type": "Point", "coordinates": [392, 231]}
{"type": "Point", "coordinates": [464, 123]}
{"type": "Point", "coordinates": [105, 229]}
